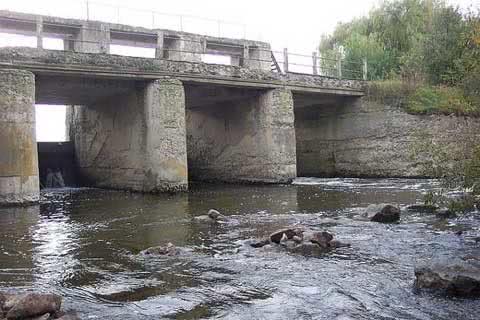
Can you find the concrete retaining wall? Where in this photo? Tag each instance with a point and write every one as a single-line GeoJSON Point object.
{"type": "Point", "coordinates": [362, 138]}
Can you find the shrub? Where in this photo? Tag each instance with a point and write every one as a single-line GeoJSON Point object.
{"type": "Point", "coordinates": [440, 100]}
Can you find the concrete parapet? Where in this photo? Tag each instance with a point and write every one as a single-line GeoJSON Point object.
{"type": "Point", "coordinates": [18, 147]}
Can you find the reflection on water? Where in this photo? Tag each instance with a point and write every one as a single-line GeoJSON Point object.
{"type": "Point", "coordinates": [83, 244]}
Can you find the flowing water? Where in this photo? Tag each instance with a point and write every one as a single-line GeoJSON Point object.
{"type": "Point", "coordinates": [84, 245]}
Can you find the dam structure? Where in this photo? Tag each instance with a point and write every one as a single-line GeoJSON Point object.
{"type": "Point", "coordinates": [153, 124]}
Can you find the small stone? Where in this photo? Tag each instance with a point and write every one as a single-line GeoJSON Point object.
{"type": "Point", "coordinates": [33, 304]}
{"type": "Point", "coordinates": [214, 214]}
{"type": "Point", "coordinates": [445, 214]}
{"type": "Point", "coordinates": [277, 236]}
{"type": "Point", "coordinates": [259, 244]}
{"type": "Point", "coordinates": [169, 250]}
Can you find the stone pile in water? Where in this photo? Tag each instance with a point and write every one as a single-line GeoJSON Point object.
{"type": "Point", "coordinates": [299, 240]}
{"type": "Point", "coordinates": [32, 306]}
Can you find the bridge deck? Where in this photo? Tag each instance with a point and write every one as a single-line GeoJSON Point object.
{"type": "Point", "coordinates": [99, 65]}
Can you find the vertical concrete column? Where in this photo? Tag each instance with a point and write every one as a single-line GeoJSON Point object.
{"type": "Point", "coordinates": [159, 45]}
{"type": "Point", "coordinates": [94, 37]}
{"type": "Point", "coordinates": [275, 134]}
{"type": "Point", "coordinates": [39, 31]}
{"type": "Point", "coordinates": [259, 57]}
{"type": "Point", "coordinates": [165, 137]}
{"type": "Point", "coordinates": [18, 146]}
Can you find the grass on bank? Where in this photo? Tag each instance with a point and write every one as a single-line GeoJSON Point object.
{"type": "Point", "coordinates": [423, 99]}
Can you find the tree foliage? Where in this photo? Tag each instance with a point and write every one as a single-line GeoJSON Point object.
{"type": "Point", "coordinates": [416, 40]}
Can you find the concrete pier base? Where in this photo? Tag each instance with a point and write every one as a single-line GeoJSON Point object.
{"type": "Point", "coordinates": [18, 148]}
{"type": "Point", "coordinates": [249, 139]}
{"type": "Point", "coordinates": [134, 141]}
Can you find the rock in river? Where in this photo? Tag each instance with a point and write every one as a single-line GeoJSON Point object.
{"type": "Point", "coordinates": [450, 277]}
{"type": "Point", "coordinates": [212, 216]}
{"type": "Point", "coordinates": [277, 236]}
{"type": "Point", "coordinates": [32, 305]}
{"type": "Point", "coordinates": [385, 213]}
{"type": "Point", "coordinates": [445, 214]}
{"type": "Point", "coordinates": [169, 250]}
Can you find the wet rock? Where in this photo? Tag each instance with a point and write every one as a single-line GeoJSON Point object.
{"type": "Point", "coordinates": [2, 301]}
{"type": "Point", "coordinates": [10, 300]}
{"type": "Point", "coordinates": [169, 250]}
{"type": "Point", "coordinates": [212, 216]}
{"type": "Point", "coordinates": [422, 208]}
{"type": "Point", "coordinates": [277, 236]}
{"type": "Point", "coordinates": [320, 238]}
{"type": "Point", "coordinates": [46, 316]}
{"type": "Point", "coordinates": [339, 244]}
{"type": "Point", "coordinates": [454, 278]}
{"type": "Point", "coordinates": [34, 304]}
{"type": "Point", "coordinates": [445, 214]}
{"type": "Point", "coordinates": [259, 244]}
{"type": "Point", "coordinates": [385, 213]}
{"type": "Point", "coordinates": [309, 249]}
{"type": "Point", "coordinates": [67, 316]}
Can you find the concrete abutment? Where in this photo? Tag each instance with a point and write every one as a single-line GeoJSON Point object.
{"type": "Point", "coordinates": [18, 148]}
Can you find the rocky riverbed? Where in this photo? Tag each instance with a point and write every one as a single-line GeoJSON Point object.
{"type": "Point", "coordinates": [88, 247]}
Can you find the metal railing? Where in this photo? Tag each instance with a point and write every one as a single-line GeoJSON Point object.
{"type": "Point", "coordinates": [265, 58]}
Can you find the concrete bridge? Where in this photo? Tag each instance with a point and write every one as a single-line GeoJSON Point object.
{"type": "Point", "coordinates": [151, 124]}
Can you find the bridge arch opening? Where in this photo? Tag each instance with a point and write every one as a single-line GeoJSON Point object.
{"type": "Point", "coordinates": [318, 119]}
{"type": "Point", "coordinates": [239, 134]}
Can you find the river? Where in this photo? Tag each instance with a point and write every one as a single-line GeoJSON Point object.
{"type": "Point", "coordinates": [83, 244]}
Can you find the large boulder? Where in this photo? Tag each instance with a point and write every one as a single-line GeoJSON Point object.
{"type": "Point", "coordinates": [449, 277]}
{"type": "Point", "coordinates": [384, 213]}
{"type": "Point", "coordinates": [34, 304]}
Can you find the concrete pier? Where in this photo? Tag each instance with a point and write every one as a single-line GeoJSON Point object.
{"type": "Point", "coordinates": [18, 147]}
{"type": "Point", "coordinates": [250, 138]}
{"type": "Point", "coordinates": [134, 141]}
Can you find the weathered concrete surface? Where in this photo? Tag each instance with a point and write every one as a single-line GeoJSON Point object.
{"type": "Point", "coordinates": [134, 141]}
{"type": "Point", "coordinates": [18, 147]}
{"type": "Point", "coordinates": [49, 62]}
{"type": "Point", "coordinates": [356, 137]}
{"type": "Point", "coordinates": [247, 140]}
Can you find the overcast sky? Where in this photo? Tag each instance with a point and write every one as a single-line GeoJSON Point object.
{"type": "Point", "coordinates": [296, 25]}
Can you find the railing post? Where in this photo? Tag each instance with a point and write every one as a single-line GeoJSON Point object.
{"type": "Point", "coordinates": [365, 69]}
{"type": "Point", "coordinates": [339, 67]}
{"type": "Point", "coordinates": [314, 61]}
{"type": "Point", "coordinates": [39, 31]}
{"type": "Point", "coordinates": [219, 28]}
{"type": "Point", "coordinates": [285, 60]}
{"type": "Point", "coordinates": [88, 11]}
{"type": "Point", "coordinates": [181, 23]}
